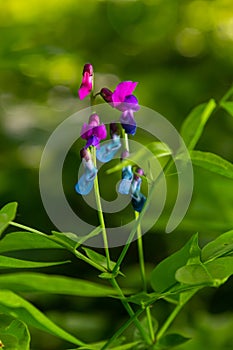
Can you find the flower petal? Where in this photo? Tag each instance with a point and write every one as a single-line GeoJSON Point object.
{"type": "Point", "coordinates": [138, 202]}
{"type": "Point", "coordinates": [107, 151]}
{"type": "Point", "coordinates": [122, 90]}
{"type": "Point", "coordinates": [100, 131]}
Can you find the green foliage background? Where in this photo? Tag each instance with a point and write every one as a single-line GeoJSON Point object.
{"type": "Point", "coordinates": [181, 53]}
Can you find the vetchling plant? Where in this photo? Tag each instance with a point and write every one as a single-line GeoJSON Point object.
{"type": "Point", "coordinates": [175, 279]}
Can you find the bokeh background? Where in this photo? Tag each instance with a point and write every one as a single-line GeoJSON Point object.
{"type": "Point", "coordinates": [181, 53]}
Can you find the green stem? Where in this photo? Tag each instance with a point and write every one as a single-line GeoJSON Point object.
{"type": "Point", "coordinates": [143, 276]}
{"type": "Point", "coordinates": [141, 254]}
{"type": "Point", "coordinates": [185, 298]}
{"type": "Point", "coordinates": [12, 223]}
{"type": "Point", "coordinates": [100, 213]}
{"type": "Point", "coordinates": [130, 311]}
{"type": "Point", "coordinates": [227, 95]}
{"type": "Point", "coordinates": [122, 329]}
{"type": "Point", "coordinates": [169, 320]}
{"type": "Point", "coordinates": [67, 246]}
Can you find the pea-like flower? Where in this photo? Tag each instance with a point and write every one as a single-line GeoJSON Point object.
{"type": "Point", "coordinates": [123, 100]}
{"type": "Point", "coordinates": [86, 181]}
{"type": "Point", "coordinates": [138, 199]}
{"type": "Point", "coordinates": [87, 81]}
{"type": "Point", "coordinates": [107, 151]}
{"type": "Point", "coordinates": [93, 132]}
{"type": "Point", "coordinates": [126, 176]}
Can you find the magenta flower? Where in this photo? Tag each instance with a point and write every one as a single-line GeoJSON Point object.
{"type": "Point", "coordinates": [121, 96]}
{"type": "Point", "coordinates": [87, 81]}
{"type": "Point", "coordinates": [123, 100]}
{"type": "Point", "coordinates": [93, 132]}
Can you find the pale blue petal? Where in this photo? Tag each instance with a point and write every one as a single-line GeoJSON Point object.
{"type": "Point", "coordinates": [107, 151]}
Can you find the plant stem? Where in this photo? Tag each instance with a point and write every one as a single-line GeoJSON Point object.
{"type": "Point", "coordinates": [100, 213]}
{"type": "Point", "coordinates": [141, 254]}
{"type": "Point", "coordinates": [12, 223]}
{"type": "Point", "coordinates": [169, 320]}
{"type": "Point", "coordinates": [130, 311]}
{"type": "Point", "coordinates": [183, 300]}
{"type": "Point", "coordinates": [122, 329]}
{"type": "Point", "coordinates": [113, 280]}
{"type": "Point", "coordinates": [143, 276]}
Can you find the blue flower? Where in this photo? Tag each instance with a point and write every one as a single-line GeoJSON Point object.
{"type": "Point", "coordinates": [107, 151]}
{"type": "Point", "coordinates": [86, 181]}
{"type": "Point", "coordinates": [138, 199]}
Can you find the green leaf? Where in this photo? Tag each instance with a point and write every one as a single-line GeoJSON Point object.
{"type": "Point", "coordinates": [157, 149]}
{"type": "Point", "coordinates": [65, 239]}
{"type": "Point", "coordinates": [163, 275]}
{"type": "Point", "coordinates": [222, 245]}
{"type": "Point", "coordinates": [7, 214]}
{"type": "Point", "coordinates": [26, 240]}
{"type": "Point", "coordinates": [12, 263]}
{"type": "Point", "coordinates": [193, 125]}
{"type": "Point", "coordinates": [212, 162]}
{"type": "Point", "coordinates": [228, 106]}
{"type": "Point", "coordinates": [14, 333]}
{"type": "Point", "coordinates": [169, 341]}
{"type": "Point", "coordinates": [214, 272]}
{"type": "Point", "coordinates": [13, 305]}
{"type": "Point", "coordinates": [37, 282]}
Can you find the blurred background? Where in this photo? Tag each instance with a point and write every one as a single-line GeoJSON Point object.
{"type": "Point", "coordinates": [181, 53]}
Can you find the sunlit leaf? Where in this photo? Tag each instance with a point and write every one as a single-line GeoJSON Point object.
{"type": "Point", "coordinates": [193, 125]}
{"type": "Point", "coordinates": [14, 333]}
{"type": "Point", "coordinates": [7, 214]}
{"type": "Point", "coordinates": [14, 305]}
{"type": "Point", "coordinates": [37, 282]}
{"type": "Point", "coordinates": [213, 163]}
{"type": "Point", "coordinates": [222, 245]}
{"type": "Point", "coordinates": [12, 263]}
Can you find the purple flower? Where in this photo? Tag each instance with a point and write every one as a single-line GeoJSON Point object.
{"type": "Point", "coordinates": [128, 122]}
{"type": "Point", "coordinates": [122, 93]}
{"type": "Point", "coordinates": [87, 81]}
{"type": "Point", "coordinates": [123, 100]}
{"type": "Point", "coordinates": [93, 132]}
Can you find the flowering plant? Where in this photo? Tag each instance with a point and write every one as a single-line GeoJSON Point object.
{"type": "Point", "coordinates": [175, 279]}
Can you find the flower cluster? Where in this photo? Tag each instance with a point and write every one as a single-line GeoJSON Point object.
{"type": "Point", "coordinates": [94, 132]}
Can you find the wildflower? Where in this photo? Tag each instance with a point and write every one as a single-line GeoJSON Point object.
{"type": "Point", "coordinates": [138, 199]}
{"type": "Point", "coordinates": [87, 81]}
{"type": "Point", "coordinates": [107, 151]}
{"type": "Point", "coordinates": [86, 181]}
{"type": "Point", "coordinates": [93, 132]}
{"type": "Point", "coordinates": [126, 177]}
{"type": "Point", "coordinates": [123, 100]}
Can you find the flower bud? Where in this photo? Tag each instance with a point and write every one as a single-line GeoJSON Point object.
{"type": "Point", "coordinates": [106, 94]}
